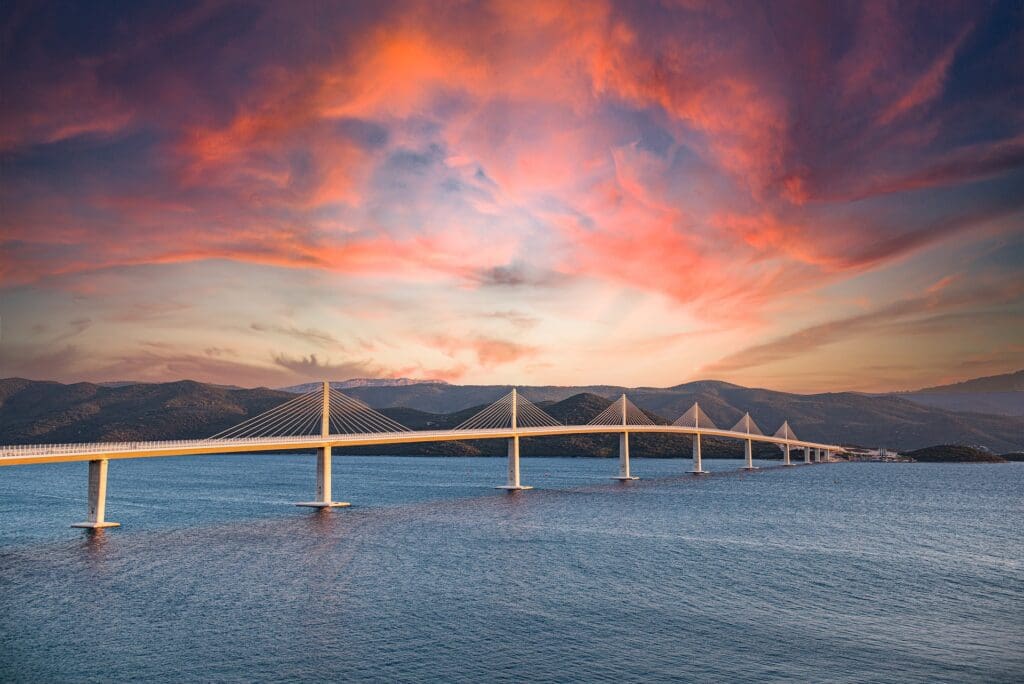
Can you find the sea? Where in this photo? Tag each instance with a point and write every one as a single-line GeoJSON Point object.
{"type": "Point", "coordinates": [845, 572]}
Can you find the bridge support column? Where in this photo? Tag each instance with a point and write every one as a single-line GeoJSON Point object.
{"type": "Point", "coordinates": [513, 484]}
{"type": "Point", "coordinates": [807, 455]}
{"type": "Point", "coordinates": [817, 455]}
{"type": "Point", "coordinates": [785, 455]}
{"type": "Point", "coordinates": [97, 497]}
{"type": "Point", "coordinates": [323, 483]}
{"type": "Point", "coordinates": [697, 467]}
{"type": "Point", "coordinates": [748, 455]}
{"type": "Point", "coordinates": [624, 458]}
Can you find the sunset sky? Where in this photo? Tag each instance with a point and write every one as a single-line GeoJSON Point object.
{"type": "Point", "coordinates": [803, 196]}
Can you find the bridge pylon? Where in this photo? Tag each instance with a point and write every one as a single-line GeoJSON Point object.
{"type": "Point", "coordinates": [747, 425]}
{"type": "Point", "coordinates": [785, 432]}
{"type": "Point", "coordinates": [323, 460]}
{"type": "Point", "coordinates": [511, 413]}
{"type": "Point", "coordinates": [696, 418]}
{"type": "Point", "coordinates": [624, 474]}
{"type": "Point", "coordinates": [513, 482]}
{"type": "Point", "coordinates": [97, 497]}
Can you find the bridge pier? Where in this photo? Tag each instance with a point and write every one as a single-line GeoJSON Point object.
{"type": "Point", "coordinates": [97, 497]}
{"type": "Point", "coordinates": [785, 455]}
{"type": "Point", "coordinates": [323, 483]}
{"type": "Point", "coordinates": [817, 455]}
{"type": "Point", "coordinates": [624, 458]}
{"type": "Point", "coordinates": [513, 484]}
{"type": "Point", "coordinates": [807, 455]}
{"type": "Point", "coordinates": [697, 467]}
{"type": "Point", "coordinates": [748, 455]}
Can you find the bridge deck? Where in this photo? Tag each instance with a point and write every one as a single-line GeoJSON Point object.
{"type": "Point", "coordinates": [59, 453]}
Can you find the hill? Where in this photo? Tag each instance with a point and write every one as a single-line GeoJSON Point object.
{"type": "Point", "coordinates": [997, 394]}
{"type": "Point", "coordinates": [579, 409]}
{"type": "Point", "coordinates": [952, 453]}
{"type": "Point", "coordinates": [46, 412]}
{"type": "Point", "coordinates": [846, 417]}
{"type": "Point", "coordinates": [50, 412]}
{"type": "Point", "coordinates": [1007, 382]}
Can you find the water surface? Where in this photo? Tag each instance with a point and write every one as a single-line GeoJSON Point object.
{"type": "Point", "coordinates": [845, 572]}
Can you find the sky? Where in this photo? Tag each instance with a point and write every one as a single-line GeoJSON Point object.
{"type": "Point", "coordinates": [803, 196]}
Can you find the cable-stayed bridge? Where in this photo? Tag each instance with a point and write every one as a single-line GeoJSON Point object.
{"type": "Point", "coordinates": [327, 418]}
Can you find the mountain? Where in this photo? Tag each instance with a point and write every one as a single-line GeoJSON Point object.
{"type": "Point", "coordinates": [360, 382]}
{"type": "Point", "coordinates": [1008, 382]}
{"type": "Point", "coordinates": [998, 394]}
{"type": "Point", "coordinates": [579, 409]}
{"type": "Point", "coordinates": [49, 412]}
{"type": "Point", "coordinates": [846, 417]}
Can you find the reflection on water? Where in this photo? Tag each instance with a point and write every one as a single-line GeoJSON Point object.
{"type": "Point", "coordinates": [844, 572]}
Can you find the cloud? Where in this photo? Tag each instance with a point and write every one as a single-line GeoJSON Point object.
{"type": "Point", "coordinates": [540, 157]}
{"type": "Point", "coordinates": [932, 312]}
{"type": "Point", "coordinates": [929, 85]}
{"type": "Point", "coordinates": [518, 275]}
{"type": "Point", "coordinates": [146, 363]}
{"type": "Point", "coordinates": [517, 319]}
{"type": "Point", "coordinates": [311, 367]}
{"type": "Point", "coordinates": [319, 337]}
{"type": "Point", "coordinates": [488, 351]}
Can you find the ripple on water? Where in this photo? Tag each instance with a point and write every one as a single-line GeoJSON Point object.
{"type": "Point", "coordinates": [849, 572]}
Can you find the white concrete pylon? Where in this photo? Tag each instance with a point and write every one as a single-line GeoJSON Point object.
{"type": "Point", "coordinates": [624, 448]}
{"type": "Point", "coordinates": [323, 460]}
{"type": "Point", "coordinates": [624, 473]}
{"type": "Point", "coordinates": [697, 468]}
{"type": "Point", "coordinates": [807, 454]}
{"type": "Point", "coordinates": [513, 484]}
{"type": "Point", "coordinates": [748, 455]}
{"type": "Point", "coordinates": [785, 455]}
{"type": "Point", "coordinates": [97, 497]}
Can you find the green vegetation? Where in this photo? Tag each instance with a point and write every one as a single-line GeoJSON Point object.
{"type": "Point", "coordinates": [953, 453]}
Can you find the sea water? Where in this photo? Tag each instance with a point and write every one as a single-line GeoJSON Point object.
{"type": "Point", "coordinates": [840, 572]}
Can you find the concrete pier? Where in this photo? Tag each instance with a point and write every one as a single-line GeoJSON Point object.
{"type": "Point", "coordinates": [807, 454]}
{"type": "Point", "coordinates": [748, 455]}
{"type": "Point", "coordinates": [624, 458]}
{"type": "Point", "coordinates": [513, 484]}
{"type": "Point", "coordinates": [785, 455]}
{"type": "Point", "coordinates": [97, 497]}
{"type": "Point", "coordinates": [323, 483]}
{"type": "Point", "coordinates": [698, 469]}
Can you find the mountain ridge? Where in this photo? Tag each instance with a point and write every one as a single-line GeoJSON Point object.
{"type": "Point", "coordinates": [1004, 382]}
{"type": "Point", "coordinates": [995, 394]}
{"type": "Point", "coordinates": [50, 412]}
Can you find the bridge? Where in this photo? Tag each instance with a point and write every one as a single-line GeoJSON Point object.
{"type": "Point", "coordinates": [326, 418]}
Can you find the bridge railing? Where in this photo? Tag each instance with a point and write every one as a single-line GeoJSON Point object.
{"type": "Point", "coordinates": [159, 445]}
{"type": "Point", "coordinates": [101, 447]}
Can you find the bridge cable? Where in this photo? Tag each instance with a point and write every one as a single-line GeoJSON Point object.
{"type": "Point", "coordinates": [498, 415]}
{"type": "Point", "coordinates": [695, 418]}
{"type": "Point", "coordinates": [747, 425]}
{"type": "Point", "coordinates": [613, 414]}
{"type": "Point", "coordinates": [785, 432]}
{"type": "Point", "coordinates": [271, 419]}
